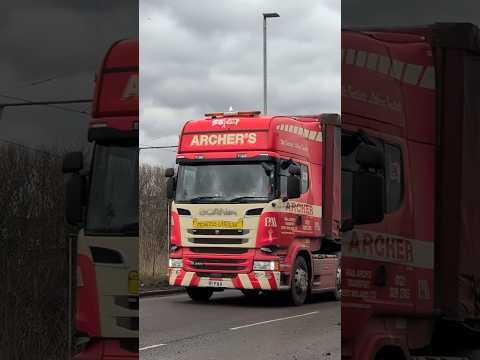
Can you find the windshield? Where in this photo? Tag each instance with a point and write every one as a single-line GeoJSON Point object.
{"type": "Point", "coordinates": [230, 182]}
{"type": "Point", "coordinates": [113, 199]}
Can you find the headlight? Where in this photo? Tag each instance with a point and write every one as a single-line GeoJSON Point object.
{"type": "Point", "coordinates": [175, 263]}
{"type": "Point", "coordinates": [266, 265]}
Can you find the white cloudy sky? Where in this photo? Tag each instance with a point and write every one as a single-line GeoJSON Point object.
{"type": "Point", "coordinates": [202, 56]}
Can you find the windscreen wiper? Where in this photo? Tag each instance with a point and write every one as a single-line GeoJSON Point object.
{"type": "Point", "coordinates": [200, 198]}
{"type": "Point", "coordinates": [246, 198]}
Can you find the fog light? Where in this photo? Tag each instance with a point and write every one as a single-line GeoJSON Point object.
{"type": "Point", "coordinates": [273, 265]}
{"type": "Point", "coordinates": [175, 263]}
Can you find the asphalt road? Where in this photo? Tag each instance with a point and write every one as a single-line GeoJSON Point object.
{"type": "Point", "coordinates": [232, 326]}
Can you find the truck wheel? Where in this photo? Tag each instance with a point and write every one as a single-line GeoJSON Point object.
{"type": "Point", "coordinates": [300, 283]}
{"type": "Point", "coordinates": [337, 294]}
{"type": "Point", "coordinates": [250, 293]}
{"type": "Point", "coordinates": [199, 294]}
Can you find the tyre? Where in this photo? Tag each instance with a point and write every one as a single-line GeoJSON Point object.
{"type": "Point", "coordinates": [199, 294]}
{"type": "Point", "coordinates": [250, 293]}
{"type": "Point", "coordinates": [300, 282]}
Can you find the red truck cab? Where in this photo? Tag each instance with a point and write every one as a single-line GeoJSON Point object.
{"type": "Point", "coordinates": [410, 119]}
{"type": "Point", "coordinates": [248, 210]}
{"type": "Point", "coordinates": [102, 201]}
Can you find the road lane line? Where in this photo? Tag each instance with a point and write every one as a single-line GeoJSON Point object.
{"type": "Point", "coordinates": [274, 320]}
{"type": "Point", "coordinates": [152, 347]}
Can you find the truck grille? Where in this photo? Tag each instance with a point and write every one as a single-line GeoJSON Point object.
{"type": "Point", "coordinates": [218, 241]}
{"type": "Point", "coordinates": [233, 261]}
{"type": "Point", "coordinates": [216, 250]}
{"type": "Point", "coordinates": [225, 264]}
{"type": "Point", "coordinates": [217, 275]}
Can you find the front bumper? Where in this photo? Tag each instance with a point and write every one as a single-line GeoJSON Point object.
{"type": "Point", "coordinates": [258, 280]}
{"type": "Point", "coordinates": [106, 349]}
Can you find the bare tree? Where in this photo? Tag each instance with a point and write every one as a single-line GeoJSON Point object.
{"type": "Point", "coordinates": [153, 223]}
{"type": "Point", "coordinates": [33, 259]}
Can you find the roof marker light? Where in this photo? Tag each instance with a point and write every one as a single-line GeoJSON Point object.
{"type": "Point", "coordinates": [233, 113]}
{"type": "Point", "coordinates": [218, 114]}
{"type": "Point", "coordinates": [241, 155]}
{"type": "Point", "coordinates": [199, 157]}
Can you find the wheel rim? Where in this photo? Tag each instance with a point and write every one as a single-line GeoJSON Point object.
{"type": "Point", "coordinates": [300, 281]}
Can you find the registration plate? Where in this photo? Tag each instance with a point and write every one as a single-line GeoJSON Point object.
{"type": "Point", "coordinates": [216, 283]}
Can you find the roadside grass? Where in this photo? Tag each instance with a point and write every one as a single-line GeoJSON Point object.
{"type": "Point", "coordinates": [153, 275]}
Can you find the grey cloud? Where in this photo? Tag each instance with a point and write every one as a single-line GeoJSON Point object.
{"type": "Point", "coordinates": [196, 58]}
{"type": "Point", "coordinates": [57, 39]}
{"type": "Point", "coordinates": [408, 12]}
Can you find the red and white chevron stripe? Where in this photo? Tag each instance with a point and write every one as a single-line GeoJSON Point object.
{"type": "Point", "coordinates": [261, 280]}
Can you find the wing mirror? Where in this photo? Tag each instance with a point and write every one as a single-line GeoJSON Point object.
{"type": "Point", "coordinates": [169, 172]}
{"type": "Point", "coordinates": [293, 182]}
{"type": "Point", "coordinates": [369, 156]}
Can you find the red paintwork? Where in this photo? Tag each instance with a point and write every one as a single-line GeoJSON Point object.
{"type": "Point", "coordinates": [116, 101]}
{"type": "Point", "coordinates": [88, 319]}
{"type": "Point", "coordinates": [227, 137]}
{"type": "Point", "coordinates": [402, 313]}
{"type": "Point", "coordinates": [105, 349]}
{"type": "Point", "coordinates": [175, 230]}
{"type": "Point", "coordinates": [263, 132]}
{"type": "Point", "coordinates": [117, 108]}
{"type": "Point", "coordinates": [413, 128]}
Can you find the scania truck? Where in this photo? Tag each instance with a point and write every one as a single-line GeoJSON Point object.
{"type": "Point", "coordinates": [102, 200]}
{"type": "Point", "coordinates": [256, 205]}
{"type": "Point", "coordinates": [410, 192]}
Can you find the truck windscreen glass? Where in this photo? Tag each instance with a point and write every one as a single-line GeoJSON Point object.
{"type": "Point", "coordinates": [221, 183]}
{"type": "Point", "coordinates": [113, 198]}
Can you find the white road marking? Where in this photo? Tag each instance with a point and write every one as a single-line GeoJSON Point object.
{"type": "Point", "coordinates": [152, 347]}
{"type": "Point", "coordinates": [269, 321]}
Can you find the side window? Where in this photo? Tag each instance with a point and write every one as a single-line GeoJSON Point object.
{"type": "Point", "coordinates": [393, 177]}
{"type": "Point", "coordinates": [350, 143]}
{"type": "Point", "coordinates": [304, 178]}
{"type": "Point", "coordinates": [393, 173]}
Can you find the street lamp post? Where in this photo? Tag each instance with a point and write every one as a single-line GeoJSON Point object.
{"type": "Point", "coordinates": [265, 16]}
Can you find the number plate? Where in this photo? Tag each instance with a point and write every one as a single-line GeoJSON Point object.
{"type": "Point", "coordinates": [216, 283]}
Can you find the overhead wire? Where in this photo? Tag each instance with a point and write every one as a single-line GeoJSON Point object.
{"type": "Point", "coordinates": [29, 147]}
{"type": "Point", "coordinates": [27, 101]}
